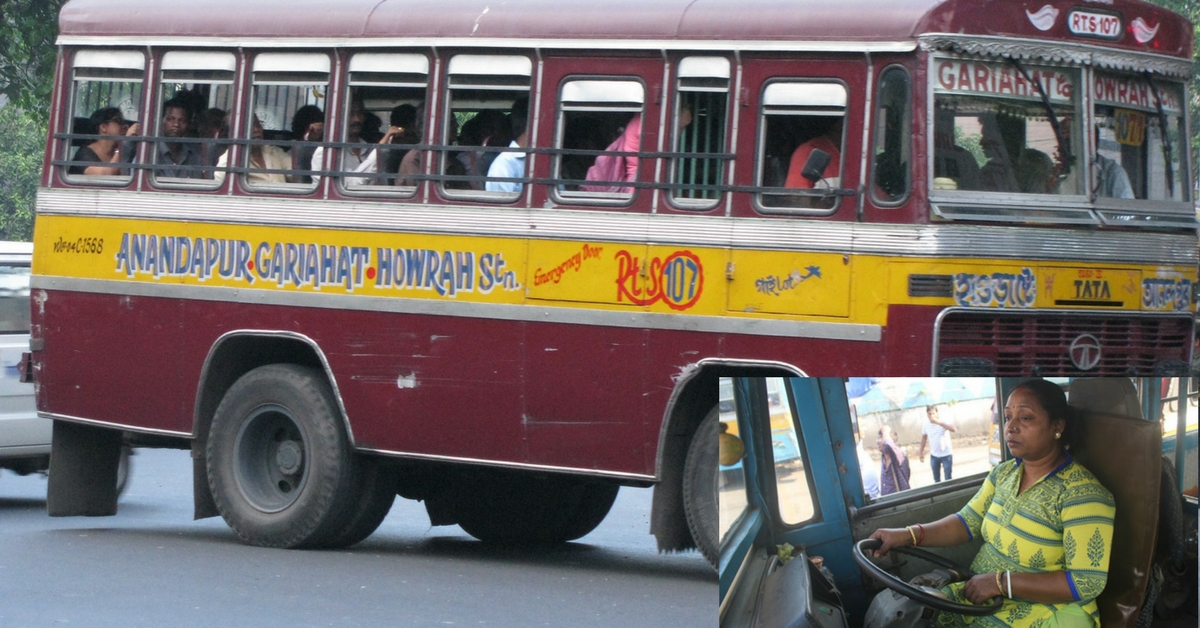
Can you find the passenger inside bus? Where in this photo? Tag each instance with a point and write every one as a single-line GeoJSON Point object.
{"type": "Point", "coordinates": [308, 125]}
{"type": "Point", "coordinates": [213, 124]}
{"type": "Point", "coordinates": [951, 161]}
{"type": "Point", "coordinates": [1111, 179]}
{"type": "Point", "coordinates": [1045, 520]}
{"type": "Point", "coordinates": [263, 159]}
{"type": "Point", "coordinates": [511, 164]}
{"type": "Point", "coordinates": [828, 140]}
{"type": "Point", "coordinates": [998, 173]}
{"type": "Point", "coordinates": [110, 122]}
{"type": "Point", "coordinates": [488, 127]}
{"type": "Point", "coordinates": [1036, 172]}
{"type": "Point", "coordinates": [174, 159]}
{"type": "Point", "coordinates": [612, 168]}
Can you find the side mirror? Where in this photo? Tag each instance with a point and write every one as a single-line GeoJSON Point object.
{"type": "Point", "coordinates": [815, 165]}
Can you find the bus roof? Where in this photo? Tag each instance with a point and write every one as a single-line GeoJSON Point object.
{"type": "Point", "coordinates": [554, 23]}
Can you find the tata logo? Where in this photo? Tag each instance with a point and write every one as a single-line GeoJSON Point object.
{"type": "Point", "coordinates": [1085, 352]}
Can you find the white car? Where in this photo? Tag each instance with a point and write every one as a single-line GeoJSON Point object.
{"type": "Point", "coordinates": [24, 438]}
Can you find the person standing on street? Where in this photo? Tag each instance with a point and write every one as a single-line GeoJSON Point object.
{"type": "Point", "coordinates": [936, 434]}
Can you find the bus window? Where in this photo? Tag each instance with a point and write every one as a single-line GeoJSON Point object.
{"type": "Point", "coordinates": [287, 89]}
{"type": "Point", "coordinates": [701, 111]}
{"type": "Point", "coordinates": [483, 90]}
{"type": "Point", "coordinates": [106, 100]}
{"type": "Point", "coordinates": [1134, 158]}
{"type": "Point", "coordinates": [599, 115]}
{"type": "Point", "coordinates": [993, 132]}
{"type": "Point", "coordinates": [800, 146]}
{"type": "Point", "coordinates": [793, 484]}
{"type": "Point", "coordinates": [195, 104]}
{"type": "Point", "coordinates": [893, 127]}
{"type": "Point", "coordinates": [731, 482]}
{"type": "Point", "coordinates": [386, 106]}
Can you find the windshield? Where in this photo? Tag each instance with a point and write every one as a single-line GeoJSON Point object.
{"type": "Point", "coordinates": [1139, 144]}
{"type": "Point", "coordinates": [993, 132]}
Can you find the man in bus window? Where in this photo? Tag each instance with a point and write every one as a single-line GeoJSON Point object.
{"type": "Point", "coordinates": [829, 142]}
{"type": "Point", "coordinates": [1112, 181]}
{"type": "Point", "coordinates": [174, 158]}
{"type": "Point", "coordinates": [511, 165]}
{"type": "Point", "coordinates": [354, 158]}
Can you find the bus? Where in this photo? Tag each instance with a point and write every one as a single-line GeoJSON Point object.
{"type": "Point", "coordinates": [790, 534]}
{"type": "Point", "coordinates": [495, 257]}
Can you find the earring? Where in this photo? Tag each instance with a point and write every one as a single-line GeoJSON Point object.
{"type": "Point", "coordinates": [1057, 435]}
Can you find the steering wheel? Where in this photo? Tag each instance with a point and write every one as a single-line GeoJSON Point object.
{"type": "Point", "coordinates": [925, 595]}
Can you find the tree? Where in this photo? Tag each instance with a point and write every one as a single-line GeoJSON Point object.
{"type": "Point", "coordinates": [20, 169]}
{"type": "Point", "coordinates": [28, 29]}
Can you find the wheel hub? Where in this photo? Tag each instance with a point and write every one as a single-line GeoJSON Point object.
{"type": "Point", "coordinates": [289, 457]}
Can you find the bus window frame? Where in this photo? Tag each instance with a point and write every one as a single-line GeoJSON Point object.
{"type": "Point", "coordinates": [445, 112]}
{"type": "Point", "coordinates": [597, 199]}
{"type": "Point", "coordinates": [788, 397]}
{"type": "Point", "coordinates": [246, 119]}
{"type": "Point", "coordinates": [760, 145]}
{"type": "Point", "coordinates": [388, 188]}
{"type": "Point", "coordinates": [197, 184]}
{"type": "Point", "coordinates": [103, 180]}
{"type": "Point", "coordinates": [674, 134]}
{"type": "Point", "coordinates": [874, 161]}
{"type": "Point", "coordinates": [1010, 206]}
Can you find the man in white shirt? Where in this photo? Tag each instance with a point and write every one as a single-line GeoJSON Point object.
{"type": "Point", "coordinates": [511, 165]}
{"type": "Point", "coordinates": [936, 434]}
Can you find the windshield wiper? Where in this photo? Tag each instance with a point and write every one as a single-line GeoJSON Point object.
{"type": "Point", "coordinates": [1166, 137]}
{"type": "Point", "coordinates": [1064, 147]}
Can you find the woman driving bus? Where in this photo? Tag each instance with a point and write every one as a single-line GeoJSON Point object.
{"type": "Point", "coordinates": [1046, 523]}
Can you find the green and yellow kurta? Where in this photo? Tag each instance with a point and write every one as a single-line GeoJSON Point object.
{"type": "Point", "coordinates": [1064, 522]}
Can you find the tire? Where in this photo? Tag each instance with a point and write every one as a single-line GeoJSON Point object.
{"type": "Point", "coordinates": [700, 500]}
{"type": "Point", "coordinates": [279, 464]}
{"type": "Point", "coordinates": [124, 465]}
{"type": "Point", "coordinates": [377, 492]}
{"type": "Point", "coordinates": [515, 509]}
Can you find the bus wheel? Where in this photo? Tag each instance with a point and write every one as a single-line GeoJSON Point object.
{"type": "Point", "coordinates": [279, 464]}
{"type": "Point", "coordinates": [377, 493]}
{"type": "Point", "coordinates": [700, 486]}
{"type": "Point", "coordinates": [513, 509]}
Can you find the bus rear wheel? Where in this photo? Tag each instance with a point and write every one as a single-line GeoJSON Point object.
{"type": "Point", "coordinates": [377, 492]}
{"type": "Point", "coordinates": [510, 508]}
{"type": "Point", "coordinates": [700, 486]}
{"type": "Point", "coordinates": [279, 463]}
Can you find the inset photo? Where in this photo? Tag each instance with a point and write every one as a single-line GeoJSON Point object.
{"type": "Point", "coordinates": [902, 502]}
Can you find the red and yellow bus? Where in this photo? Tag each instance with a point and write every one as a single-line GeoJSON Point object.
{"type": "Point", "coordinates": [297, 265]}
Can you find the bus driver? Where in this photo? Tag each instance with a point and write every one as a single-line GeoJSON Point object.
{"type": "Point", "coordinates": [1047, 523]}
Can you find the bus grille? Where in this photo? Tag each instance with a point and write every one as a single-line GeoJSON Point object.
{"type": "Point", "coordinates": [1015, 344]}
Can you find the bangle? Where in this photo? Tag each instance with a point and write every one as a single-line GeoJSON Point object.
{"type": "Point", "coordinates": [914, 534]}
{"type": "Point", "coordinates": [921, 539]}
{"type": "Point", "coordinates": [998, 587]}
{"type": "Point", "coordinates": [1008, 577]}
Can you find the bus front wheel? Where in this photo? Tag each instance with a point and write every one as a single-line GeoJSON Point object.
{"type": "Point", "coordinates": [700, 486]}
{"type": "Point", "coordinates": [279, 463]}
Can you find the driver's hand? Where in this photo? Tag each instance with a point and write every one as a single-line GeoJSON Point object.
{"type": "Point", "coordinates": [891, 537]}
{"type": "Point", "coordinates": [981, 588]}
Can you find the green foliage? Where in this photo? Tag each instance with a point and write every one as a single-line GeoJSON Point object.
{"type": "Point", "coordinates": [28, 29]}
{"type": "Point", "coordinates": [20, 169]}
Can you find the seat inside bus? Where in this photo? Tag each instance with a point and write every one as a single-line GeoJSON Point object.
{"type": "Point", "coordinates": [1123, 451]}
